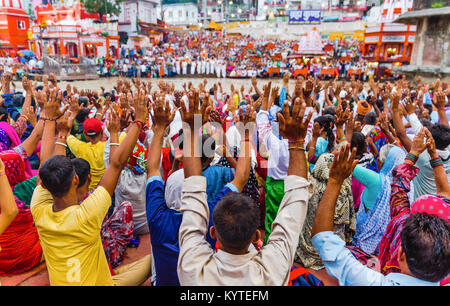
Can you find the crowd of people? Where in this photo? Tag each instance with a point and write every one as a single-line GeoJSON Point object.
{"type": "Point", "coordinates": [233, 56]}
{"type": "Point", "coordinates": [308, 183]}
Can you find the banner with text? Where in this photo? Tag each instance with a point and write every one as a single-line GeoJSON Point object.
{"type": "Point", "coordinates": [305, 17]}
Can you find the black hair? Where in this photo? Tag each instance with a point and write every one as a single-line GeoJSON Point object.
{"type": "Point", "coordinates": [82, 115]}
{"type": "Point", "coordinates": [208, 147]}
{"type": "Point", "coordinates": [359, 118]}
{"type": "Point", "coordinates": [84, 101]}
{"type": "Point", "coordinates": [370, 118]}
{"type": "Point", "coordinates": [425, 240]}
{"type": "Point", "coordinates": [441, 135]}
{"type": "Point", "coordinates": [236, 218]}
{"type": "Point", "coordinates": [359, 142]}
{"type": "Point", "coordinates": [327, 122]}
{"type": "Point", "coordinates": [329, 110]}
{"type": "Point", "coordinates": [4, 111]}
{"type": "Point", "coordinates": [255, 97]}
{"type": "Point", "coordinates": [56, 174]}
{"type": "Point", "coordinates": [82, 168]}
{"type": "Point", "coordinates": [426, 123]}
{"type": "Point", "coordinates": [18, 100]}
{"type": "Point", "coordinates": [113, 97]}
{"type": "Point", "coordinates": [429, 107]}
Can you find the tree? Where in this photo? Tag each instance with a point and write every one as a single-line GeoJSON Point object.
{"type": "Point", "coordinates": [103, 7]}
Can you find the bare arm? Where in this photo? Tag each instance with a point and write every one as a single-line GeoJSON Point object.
{"type": "Point", "coordinates": [8, 207]}
{"type": "Point", "coordinates": [294, 129]}
{"type": "Point", "coordinates": [161, 119]}
{"type": "Point", "coordinates": [343, 164]}
{"type": "Point", "coordinates": [398, 124]}
{"type": "Point", "coordinates": [442, 185]}
{"type": "Point", "coordinates": [111, 175]}
{"type": "Point", "coordinates": [246, 127]}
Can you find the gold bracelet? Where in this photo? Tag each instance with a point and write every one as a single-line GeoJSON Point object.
{"type": "Point", "coordinates": [2, 173]}
{"type": "Point", "coordinates": [300, 148]}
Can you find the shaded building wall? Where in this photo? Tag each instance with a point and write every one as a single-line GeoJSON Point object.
{"type": "Point", "coordinates": [431, 46]}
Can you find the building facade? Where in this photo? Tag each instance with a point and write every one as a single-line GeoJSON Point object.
{"type": "Point", "coordinates": [180, 13]}
{"type": "Point", "coordinates": [14, 25]}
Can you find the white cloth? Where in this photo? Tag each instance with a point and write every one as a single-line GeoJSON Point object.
{"type": "Point", "coordinates": [278, 149]}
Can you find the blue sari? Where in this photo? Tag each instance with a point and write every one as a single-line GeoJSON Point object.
{"type": "Point", "coordinates": [371, 225]}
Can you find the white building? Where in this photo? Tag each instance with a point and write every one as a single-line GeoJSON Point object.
{"type": "Point", "coordinates": [180, 13]}
{"type": "Point", "coordinates": [134, 12]}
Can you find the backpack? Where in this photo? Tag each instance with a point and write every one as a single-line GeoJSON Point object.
{"type": "Point", "coordinates": [301, 277]}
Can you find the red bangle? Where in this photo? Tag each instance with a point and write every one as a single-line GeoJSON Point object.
{"type": "Point", "coordinates": [140, 123]}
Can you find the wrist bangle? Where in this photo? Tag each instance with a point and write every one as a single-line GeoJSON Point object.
{"type": "Point", "coordinates": [2, 173]}
{"type": "Point", "coordinates": [61, 144]}
{"type": "Point", "coordinates": [140, 123]}
{"type": "Point", "coordinates": [411, 157]}
{"type": "Point", "coordinates": [47, 119]}
{"type": "Point", "coordinates": [436, 162]}
{"type": "Point", "coordinates": [114, 144]}
{"type": "Point", "coordinates": [300, 148]}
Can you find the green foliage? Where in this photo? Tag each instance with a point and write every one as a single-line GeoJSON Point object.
{"type": "Point", "coordinates": [102, 7]}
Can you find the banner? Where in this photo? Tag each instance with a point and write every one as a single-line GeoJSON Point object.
{"type": "Point", "coordinates": [305, 17]}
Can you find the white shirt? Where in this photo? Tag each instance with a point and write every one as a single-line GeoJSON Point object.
{"type": "Point", "coordinates": [278, 162]}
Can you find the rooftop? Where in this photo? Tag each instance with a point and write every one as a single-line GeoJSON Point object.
{"type": "Point", "coordinates": [413, 16]}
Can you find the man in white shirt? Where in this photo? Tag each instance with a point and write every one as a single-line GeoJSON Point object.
{"type": "Point", "coordinates": [236, 263]}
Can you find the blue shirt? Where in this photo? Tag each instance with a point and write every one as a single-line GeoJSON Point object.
{"type": "Point", "coordinates": [217, 177]}
{"type": "Point", "coordinates": [342, 265]}
{"type": "Point", "coordinates": [164, 224]}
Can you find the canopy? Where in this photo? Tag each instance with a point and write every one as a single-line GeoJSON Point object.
{"type": "Point", "coordinates": [26, 53]}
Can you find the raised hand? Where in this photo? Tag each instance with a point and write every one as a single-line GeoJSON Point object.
{"type": "Point", "coordinates": [189, 115]}
{"type": "Point", "coordinates": [140, 106]}
{"type": "Point", "coordinates": [27, 85]}
{"type": "Point", "coordinates": [431, 145]}
{"type": "Point", "coordinates": [246, 125]}
{"type": "Point", "coordinates": [410, 106]}
{"type": "Point", "coordinates": [52, 78]}
{"type": "Point", "coordinates": [343, 164]}
{"type": "Point", "coordinates": [162, 116]}
{"type": "Point", "coordinates": [293, 127]}
{"type": "Point", "coordinates": [113, 122]}
{"type": "Point", "coordinates": [419, 143]}
{"type": "Point", "coordinates": [64, 124]}
{"type": "Point", "coordinates": [317, 130]}
{"type": "Point", "coordinates": [52, 106]}
{"type": "Point", "coordinates": [30, 114]}
{"type": "Point", "coordinates": [439, 100]}
{"type": "Point", "coordinates": [341, 116]}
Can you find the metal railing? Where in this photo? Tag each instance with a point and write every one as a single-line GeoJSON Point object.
{"type": "Point", "coordinates": [65, 69]}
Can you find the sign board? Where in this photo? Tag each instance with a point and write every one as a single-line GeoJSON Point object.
{"type": "Point", "coordinates": [393, 38]}
{"type": "Point", "coordinates": [304, 16]}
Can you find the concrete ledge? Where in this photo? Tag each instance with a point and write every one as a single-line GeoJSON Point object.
{"type": "Point", "coordinates": [413, 16]}
{"type": "Point", "coordinates": [424, 71]}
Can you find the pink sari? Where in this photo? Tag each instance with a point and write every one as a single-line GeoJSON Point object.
{"type": "Point", "coordinates": [15, 141]}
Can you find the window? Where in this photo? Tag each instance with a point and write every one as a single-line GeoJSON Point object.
{"type": "Point", "coordinates": [21, 25]}
{"type": "Point", "coordinates": [170, 14]}
{"type": "Point", "coordinates": [126, 14]}
{"type": "Point", "coordinates": [180, 13]}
